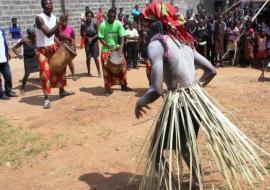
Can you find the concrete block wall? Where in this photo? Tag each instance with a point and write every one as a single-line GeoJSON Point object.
{"type": "Point", "coordinates": [26, 10]}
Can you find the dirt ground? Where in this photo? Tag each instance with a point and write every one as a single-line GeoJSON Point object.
{"type": "Point", "coordinates": [100, 138]}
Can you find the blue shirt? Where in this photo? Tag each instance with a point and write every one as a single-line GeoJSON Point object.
{"type": "Point", "coordinates": [135, 12]}
{"type": "Point", "coordinates": [15, 32]}
{"type": "Point", "coordinates": [5, 42]}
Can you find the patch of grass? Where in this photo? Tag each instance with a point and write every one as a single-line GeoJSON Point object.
{"type": "Point", "coordinates": [16, 144]}
{"type": "Point", "coordinates": [61, 140]}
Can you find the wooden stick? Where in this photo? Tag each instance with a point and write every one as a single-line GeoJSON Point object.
{"type": "Point", "coordinates": [231, 7]}
{"type": "Point", "coordinates": [259, 11]}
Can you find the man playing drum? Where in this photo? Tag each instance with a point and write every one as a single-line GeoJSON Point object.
{"type": "Point", "coordinates": [47, 27]}
{"type": "Point", "coordinates": [111, 34]}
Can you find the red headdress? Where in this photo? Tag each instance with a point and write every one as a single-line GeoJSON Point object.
{"type": "Point", "coordinates": [166, 13]}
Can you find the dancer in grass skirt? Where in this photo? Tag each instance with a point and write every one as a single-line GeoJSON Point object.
{"type": "Point", "coordinates": [186, 109]}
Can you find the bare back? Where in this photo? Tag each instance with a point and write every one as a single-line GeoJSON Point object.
{"type": "Point", "coordinates": [179, 70]}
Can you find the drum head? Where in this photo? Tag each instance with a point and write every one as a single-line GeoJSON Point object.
{"type": "Point", "coordinates": [69, 49]}
{"type": "Point", "coordinates": [116, 59]}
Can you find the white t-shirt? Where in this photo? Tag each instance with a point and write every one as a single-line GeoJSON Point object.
{"type": "Point", "coordinates": [3, 57]}
{"type": "Point", "coordinates": [42, 39]}
{"type": "Point", "coordinates": [131, 34]}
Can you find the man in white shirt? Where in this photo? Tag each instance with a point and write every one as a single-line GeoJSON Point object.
{"type": "Point", "coordinates": [5, 68]}
{"type": "Point", "coordinates": [47, 27]}
{"type": "Point", "coordinates": [132, 38]}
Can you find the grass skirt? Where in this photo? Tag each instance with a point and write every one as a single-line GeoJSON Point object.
{"type": "Point", "coordinates": [181, 115]}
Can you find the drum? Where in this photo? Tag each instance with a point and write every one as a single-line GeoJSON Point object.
{"type": "Point", "coordinates": [62, 57]}
{"type": "Point", "coordinates": [115, 62]}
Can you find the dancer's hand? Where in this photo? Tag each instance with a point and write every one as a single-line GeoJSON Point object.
{"type": "Point", "coordinates": [139, 110]}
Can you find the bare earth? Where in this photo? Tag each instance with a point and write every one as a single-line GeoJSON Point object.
{"type": "Point", "coordinates": [100, 138]}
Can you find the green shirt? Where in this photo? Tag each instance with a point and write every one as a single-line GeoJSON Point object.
{"type": "Point", "coordinates": [111, 34]}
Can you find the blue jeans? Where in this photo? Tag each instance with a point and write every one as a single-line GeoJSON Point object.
{"type": "Point", "coordinates": [5, 70]}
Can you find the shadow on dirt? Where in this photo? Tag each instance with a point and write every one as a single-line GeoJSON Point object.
{"type": "Point", "coordinates": [31, 85]}
{"type": "Point", "coordinates": [110, 181]}
{"type": "Point", "coordinates": [95, 91]}
{"type": "Point", "coordinates": [99, 91]}
{"type": "Point", "coordinates": [37, 100]}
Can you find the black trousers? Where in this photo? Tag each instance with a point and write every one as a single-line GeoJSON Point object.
{"type": "Point", "coordinates": [132, 54]}
{"type": "Point", "coordinates": [5, 70]}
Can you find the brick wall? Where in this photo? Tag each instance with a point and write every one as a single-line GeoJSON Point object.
{"type": "Point", "coordinates": [26, 10]}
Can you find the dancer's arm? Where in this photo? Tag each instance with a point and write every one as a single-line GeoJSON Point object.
{"type": "Point", "coordinates": [14, 49]}
{"type": "Point", "coordinates": [209, 70]}
{"type": "Point", "coordinates": [155, 54]}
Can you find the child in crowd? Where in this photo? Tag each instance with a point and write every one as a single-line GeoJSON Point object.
{"type": "Point", "coordinates": [249, 43]}
{"type": "Point", "coordinates": [261, 54]}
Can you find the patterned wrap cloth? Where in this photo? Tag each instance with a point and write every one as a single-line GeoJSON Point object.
{"type": "Point", "coordinates": [49, 80]}
{"type": "Point", "coordinates": [111, 79]}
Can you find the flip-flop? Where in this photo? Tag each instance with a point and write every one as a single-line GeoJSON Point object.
{"type": "Point", "coordinates": [66, 93]}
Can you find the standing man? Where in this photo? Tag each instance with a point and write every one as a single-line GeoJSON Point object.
{"type": "Point", "coordinates": [111, 34]}
{"type": "Point", "coordinates": [5, 69]}
{"type": "Point", "coordinates": [47, 27]}
{"type": "Point", "coordinates": [86, 9]}
{"type": "Point", "coordinates": [121, 15]}
{"type": "Point", "coordinates": [210, 39]}
{"type": "Point", "coordinates": [136, 13]}
{"type": "Point", "coordinates": [82, 32]}
{"type": "Point", "coordinates": [15, 31]}
{"type": "Point", "coordinates": [132, 39]}
{"type": "Point", "coordinates": [219, 33]}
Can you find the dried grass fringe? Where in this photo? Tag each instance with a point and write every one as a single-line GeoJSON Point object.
{"type": "Point", "coordinates": [235, 155]}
